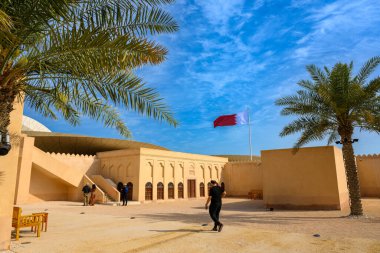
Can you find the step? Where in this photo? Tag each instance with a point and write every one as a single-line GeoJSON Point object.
{"type": "Point", "coordinates": [115, 203]}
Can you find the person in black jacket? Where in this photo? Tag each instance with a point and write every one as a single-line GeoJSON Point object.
{"type": "Point", "coordinates": [86, 194]}
{"type": "Point", "coordinates": [125, 195]}
{"type": "Point", "coordinates": [215, 196]}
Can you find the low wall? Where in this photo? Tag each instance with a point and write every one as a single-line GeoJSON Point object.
{"type": "Point", "coordinates": [369, 175]}
{"type": "Point", "coordinates": [313, 178]}
{"type": "Point", "coordinates": [243, 177]}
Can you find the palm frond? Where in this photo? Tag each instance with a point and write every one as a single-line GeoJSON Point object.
{"type": "Point", "coordinates": [367, 69]}
{"type": "Point", "coordinates": [118, 19]}
{"type": "Point", "coordinates": [317, 74]}
{"type": "Point", "coordinates": [6, 23]}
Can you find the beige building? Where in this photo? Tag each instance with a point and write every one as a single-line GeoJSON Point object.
{"type": "Point", "coordinates": [44, 166]}
{"type": "Point", "coordinates": [151, 172]}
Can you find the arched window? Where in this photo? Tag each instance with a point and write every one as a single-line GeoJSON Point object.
{"type": "Point", "coordinates": [148, 191]}
{"type": "Point", "coordinates": [209, 186]}
{"type": "Point", "coordinates": [180, 190]}
{"type": "Point", "coordinates": [130, 191]}
{"type": "Point", "coordinates": [202, 189]}
{"type": "Point", "coordinates": [171, 191]}
{"type": "Point", "coordinates": [160, 190]}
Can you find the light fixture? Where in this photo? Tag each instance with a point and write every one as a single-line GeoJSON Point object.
{"type": "Point", "coordinates": [345, 140]}
{"type": "Point", "coordinates": [5, 143]}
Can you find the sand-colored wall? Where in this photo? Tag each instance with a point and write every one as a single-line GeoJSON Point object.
{"type": "Point", "coordinates": [313, 178]}
{"type": "Point", "coordinates": [45, 187]}
{"type": "Point", "coordinates": [242, 177]}
{"type": "Point", "coordinates": [24, 170]}
{"type": "Point", "coordinates": [121, 166]}
{"type": "Point", "coordinates": [369, 175]}
{"type": "Point", "coordinates": [342, 179]}
{"type": "Point", "coordinates": [140, 166]}
{"type": "Point", "coordinates": [176, 167]}
{"type": "Point", "coordinates": [87, 165]}
{"type": "Point", "coordinates": [8, 169]}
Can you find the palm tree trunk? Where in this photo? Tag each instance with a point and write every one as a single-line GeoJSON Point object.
{"type": "Point", "coordinates": [7, 98]}
{"type": "Point", "coordinates": [352, 178]}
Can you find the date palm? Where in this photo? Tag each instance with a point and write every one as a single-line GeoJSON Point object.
{"type": "Point", "coordinates": [77, 57]}
{"type": "Point", "coordinates": [332, 105]}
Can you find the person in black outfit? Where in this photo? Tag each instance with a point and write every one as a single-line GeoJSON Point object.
{"type": "Point", "coordinates": [125, 195]}
{"type": "Point", "coordinates": [86, 194]}
{"type": "Point", "coordinates": [215, 196]}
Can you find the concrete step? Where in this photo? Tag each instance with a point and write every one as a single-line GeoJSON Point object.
{"type": "Point", "coordinates": [115, 203]}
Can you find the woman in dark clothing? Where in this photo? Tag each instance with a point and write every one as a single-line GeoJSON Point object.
{"type": "Point", "coordinates": [92, 197]}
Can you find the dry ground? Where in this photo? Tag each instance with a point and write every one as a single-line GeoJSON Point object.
{"type": "Point", "coordinates": [180, 226]}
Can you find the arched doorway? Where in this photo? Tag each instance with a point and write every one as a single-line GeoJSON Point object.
{"type": "Point", "coordinates": [202, 189]}
{"type": "Point", "coordinates": [119, 187]}
{"type": "Point", "coordinates": [148, 191]}
{"type": "Point", "coordinates": [160, 190]}
{"type": "Point", "coordinates": [180, 190]}
{"type": "Point", "coordinates": [130, 191]}
{"type": "Point", "coordinates": [171, 191]}
{"type": "Point", "coordinates": [209, 186]}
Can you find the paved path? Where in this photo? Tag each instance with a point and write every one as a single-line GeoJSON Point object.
{"type": "Point", "coordinates": [184, 226]}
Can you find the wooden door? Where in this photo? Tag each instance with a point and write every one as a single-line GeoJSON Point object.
{"type": "Point", "coordinates": [191, 188]}
{"type": "Point", "coordinates": [130, 191]}
{"type": "Point", "coordinates": [160, 191]}
{"type": "Point", "coordinates": [171, 191]}
{"type": "Point", "coordinates": [148, 191]}
{"type": "Point", "coordinates": [202, 189]}
{"type": "Point", "coordinates": [180, 191]}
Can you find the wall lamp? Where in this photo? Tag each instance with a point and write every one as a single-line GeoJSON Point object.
{"type": "Point", "coordinates": [345, 140]}
{"type": "Point", "coordinates": [5, 143]}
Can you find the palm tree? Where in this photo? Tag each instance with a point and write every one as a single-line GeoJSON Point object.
{"type": "Point", "coordinates": [77, 57]}
{"type": "Point", "coordinates": [333, 105]}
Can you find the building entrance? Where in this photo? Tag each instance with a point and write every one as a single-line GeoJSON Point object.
{"type": "Point", "coordinates": [191, 188]}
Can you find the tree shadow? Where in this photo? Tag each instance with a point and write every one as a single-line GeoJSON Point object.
{"type": "Point", "coordinates": [178, 230]}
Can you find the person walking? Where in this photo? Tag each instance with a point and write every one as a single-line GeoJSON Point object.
{"type": "Point", "coordinates": [86, 194]}
{"type": "Point", "coordinates": [125, 195]}
{"type": "Point", "coordinates": [92, 196]}
{"type": "Point", "coordinates": [215, 196]}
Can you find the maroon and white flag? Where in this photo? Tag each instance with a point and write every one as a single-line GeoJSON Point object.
{"type": "Point", "coordinates": [240, 118]}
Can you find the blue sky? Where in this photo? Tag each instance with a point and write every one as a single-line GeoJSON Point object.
{"type": "Point", "coordinates": [235, 54]}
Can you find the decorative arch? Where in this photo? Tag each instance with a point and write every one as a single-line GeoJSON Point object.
{"type": "Point", "coordinates": [160, 190]}
{"type": "Point", "coordinates": [209, 185]}
{"type": "Point", "coordinates": [148, 191]}
{"type": "Point", "coordinates": [171, 190]}
{"type": "Point", "coordinates": [202, 189]}
{"type": "Point", "coordinates": [180, 190]}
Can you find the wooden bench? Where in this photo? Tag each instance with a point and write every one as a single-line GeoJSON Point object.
{"type": "Point", "coordinates": [255, 194]}
{"type": "Point", "coordinates": [44, 221]}
{"type": "Point", "coordinates": [21, 221]}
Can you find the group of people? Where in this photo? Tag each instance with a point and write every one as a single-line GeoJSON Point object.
{"type": "Point", "coordinates": [89, 194]}
{"type": "Point", "coordinates": [123, 189]}
{"type": "Point", "coordinates": [215, 197]}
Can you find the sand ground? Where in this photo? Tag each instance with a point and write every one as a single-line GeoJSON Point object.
{"type": "Point", "coordinates": [184, 226]}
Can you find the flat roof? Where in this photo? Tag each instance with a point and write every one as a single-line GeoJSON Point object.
{"type": "Point", "coordinates": [80, 144]}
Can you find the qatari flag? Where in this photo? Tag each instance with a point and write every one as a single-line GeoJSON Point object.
{"type": "Point", "coordinates": [240, 118]}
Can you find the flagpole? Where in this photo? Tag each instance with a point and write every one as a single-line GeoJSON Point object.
{"type": "Point", "coordinates": [250, 139]}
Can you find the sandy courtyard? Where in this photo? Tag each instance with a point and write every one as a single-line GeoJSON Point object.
{"type": "Point", "coordinates": [180, 226]}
